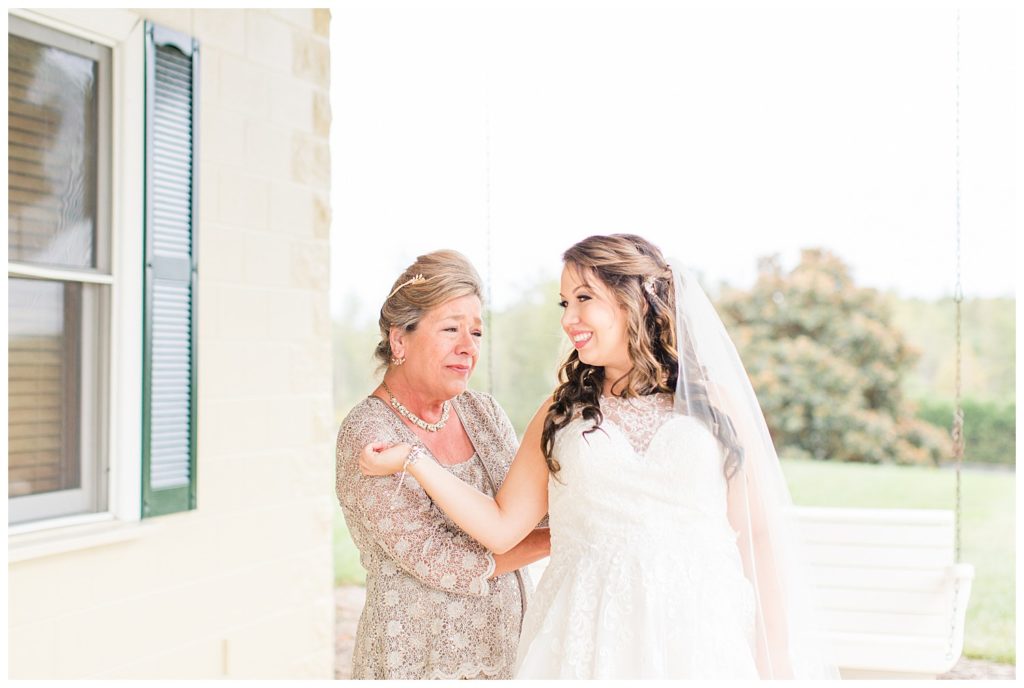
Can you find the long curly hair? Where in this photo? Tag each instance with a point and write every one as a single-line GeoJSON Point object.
{"type": "Point", "coordinates": [623, 263]}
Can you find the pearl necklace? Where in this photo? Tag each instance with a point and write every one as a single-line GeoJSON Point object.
{"type": "Point", "coordinates": [416, 420]}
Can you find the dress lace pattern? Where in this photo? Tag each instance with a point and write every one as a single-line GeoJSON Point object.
{"type": "Point", "coordinates": [430, 610]}
{"type": "Point", "coordinates": [638, 418]}
{"type": "Point", "coordinates": [645, 579]}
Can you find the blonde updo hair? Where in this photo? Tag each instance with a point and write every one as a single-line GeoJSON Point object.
{"type": "Point", "coordinates": [446, 275]}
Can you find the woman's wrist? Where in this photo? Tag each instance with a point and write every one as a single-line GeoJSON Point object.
{"type": "Point", "coordinates": [415, 454]}
{"type": "Point", "coordinates": [415, 461]}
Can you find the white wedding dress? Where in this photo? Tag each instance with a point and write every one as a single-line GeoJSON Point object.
{"type": "Point", "coordinates": [645, 579]}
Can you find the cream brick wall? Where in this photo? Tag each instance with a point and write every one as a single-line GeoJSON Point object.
{"type": "Point", "coordinates": [242, 586]}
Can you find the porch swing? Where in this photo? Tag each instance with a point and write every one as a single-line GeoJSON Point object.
{"type": "Point", "coordinates": [889, 585]}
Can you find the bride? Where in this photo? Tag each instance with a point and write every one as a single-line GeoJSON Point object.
{"type": "Point", "coordinates": [671, 548]}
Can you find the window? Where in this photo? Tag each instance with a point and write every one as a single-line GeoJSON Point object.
{"type": "Point", "coordinates": [102, 271]}
{"type": "Point", "coordinates": [59, 271]}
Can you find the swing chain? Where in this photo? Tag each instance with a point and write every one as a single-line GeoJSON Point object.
{"type": "Point", "coordinates": [487, 231]}
{"type": "Point", "coordinates": [958, 413]}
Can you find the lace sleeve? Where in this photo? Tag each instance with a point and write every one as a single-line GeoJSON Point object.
{"type": "Point", "coordinates": [402, 519]}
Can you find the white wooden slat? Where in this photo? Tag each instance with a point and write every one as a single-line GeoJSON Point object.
{"type": "Point", "coordinates": [882, 624]}
{"type": "Point", "coordinates": [901, 601]}
{"type": "Point", "coordinates": [877, 578]}
{"type": "Point", "coordinates": [879, 557]}
{"type": "Point", "coordinates": [930, 535]}
{"type": "Point", "coordinates": [815, 514]}
{"type": "Point", "coordinates": [925, 654]}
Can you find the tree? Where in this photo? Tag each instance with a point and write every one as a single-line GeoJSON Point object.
{"type": "Point", "coordinates": [827, 364]}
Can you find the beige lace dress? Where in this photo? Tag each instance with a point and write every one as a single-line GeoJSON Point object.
{"type": "Point", "coordinates": [431, 611]}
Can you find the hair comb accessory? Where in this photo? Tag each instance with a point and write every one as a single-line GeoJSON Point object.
{"type": "Point", "coordinates": [649, 285]}
{"type": "Point", "coordinates": [412, 280]}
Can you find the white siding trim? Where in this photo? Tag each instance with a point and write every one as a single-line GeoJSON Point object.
{"type": "Point", "coordinates": [86, 277]}
{"type": "Point", "coordinates": [127, 249]}
{"type": "Point", "coordinates": [108, 26]}
{"type": "Point", "coordinates": [75, 533]}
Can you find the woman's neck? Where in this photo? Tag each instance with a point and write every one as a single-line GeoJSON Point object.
{"type": "Point", "coordinates": [614, 380]}
{"type": "Point", "coordinates": [426, 406]}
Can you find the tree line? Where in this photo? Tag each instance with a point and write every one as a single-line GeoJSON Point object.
{"type": "Point", "coordinates": [843, 372]}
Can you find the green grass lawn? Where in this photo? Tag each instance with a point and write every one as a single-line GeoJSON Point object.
{"type": "Point", "coordinates": [987, 532]}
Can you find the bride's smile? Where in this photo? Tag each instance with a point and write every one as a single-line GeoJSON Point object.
{"type": "Point", "coordinates": [595, 322]}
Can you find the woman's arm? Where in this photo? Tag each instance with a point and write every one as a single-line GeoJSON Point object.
{"type": "Point", "coordinates": [510, 438]}
{"type": "Point", "coordinates": [533, 547]}
{"type": "Point", "coordinates": [498, 523]}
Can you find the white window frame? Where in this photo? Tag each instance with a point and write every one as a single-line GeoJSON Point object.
{"type": "Point", "coordinates": [93, 314]}
{"type": "Point", "coordinates": [123, 33]}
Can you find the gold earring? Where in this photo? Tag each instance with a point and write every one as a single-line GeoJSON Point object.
{"type": "Point", "coordinates": [395, 360]}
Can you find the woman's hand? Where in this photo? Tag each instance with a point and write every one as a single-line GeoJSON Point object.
{"type": "Point", "coordinates": [383, 458]}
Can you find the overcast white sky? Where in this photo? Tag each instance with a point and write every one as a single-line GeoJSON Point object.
{"type": "Point", "coordinates": [720, 134]}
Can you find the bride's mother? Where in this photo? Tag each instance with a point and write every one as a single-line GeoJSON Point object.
{"type": "Point", "coordinates": [438, 604]}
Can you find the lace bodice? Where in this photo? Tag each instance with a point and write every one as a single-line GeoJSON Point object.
{"type": "Point", "coordinates": [430, 610]}
{"type": "Point", "coordinates": [645, 469]}
{"type": "Point", "coordinates": [638, 417]}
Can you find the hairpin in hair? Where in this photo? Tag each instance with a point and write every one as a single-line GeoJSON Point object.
{"type": "Point", "coordinates": [412, 280]}
{"type": "Point", "coordinates": [649, 285]}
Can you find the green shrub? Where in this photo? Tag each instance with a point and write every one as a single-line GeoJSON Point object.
{"type": "Point", "coordinates": [990, 428]}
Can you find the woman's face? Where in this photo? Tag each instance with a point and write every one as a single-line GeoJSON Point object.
{"type": "Point", "coordinates": [442, 351]}
{"type": "Point", "coordinates": [594, 322]}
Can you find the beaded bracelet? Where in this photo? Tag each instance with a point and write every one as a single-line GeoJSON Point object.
{"type": "Point", "coordinates": [414, 455]}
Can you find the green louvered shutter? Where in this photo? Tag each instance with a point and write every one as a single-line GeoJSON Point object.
{"type": "Point", "coordinates": [169, 366]}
